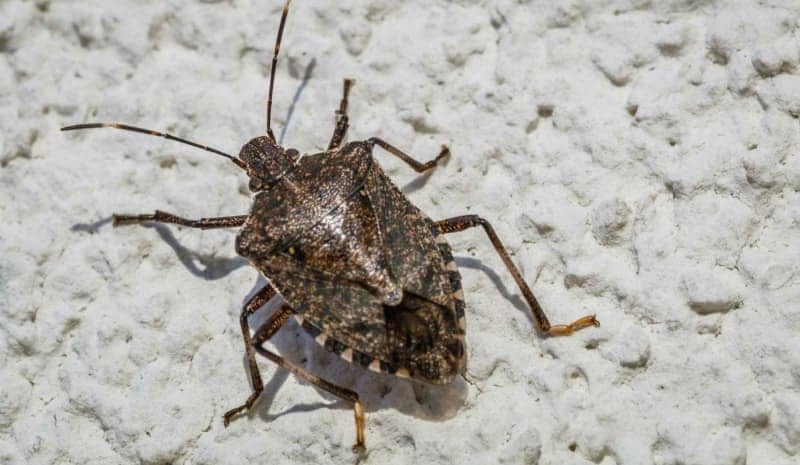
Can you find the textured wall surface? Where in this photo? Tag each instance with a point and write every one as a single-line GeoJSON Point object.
{"type": "Point", "coordinates": [639, 158]}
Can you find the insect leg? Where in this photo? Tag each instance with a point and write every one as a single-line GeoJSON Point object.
{"type": "Point", "coordinates": [257, 301]}
{"type": "Point", "coordinates": [164, 217]}
{"type": "Point", "coordinates": [417, 166]}
{"type": "Point", "coordinates": [342, 120]}
{"type": "Point", "coordinates": [266, 331]}
{"type": "Point", "coordinates": [461, 223]}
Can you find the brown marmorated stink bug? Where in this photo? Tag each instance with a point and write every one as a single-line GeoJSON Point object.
{"type": "Point", "coordinates": [368, 275]}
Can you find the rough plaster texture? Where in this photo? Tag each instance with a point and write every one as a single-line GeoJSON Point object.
{"type": "Point", "coordinates": [640, 159]}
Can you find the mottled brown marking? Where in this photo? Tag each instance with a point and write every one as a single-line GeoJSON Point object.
{"type": "Point", "coordinates": [343, 251]}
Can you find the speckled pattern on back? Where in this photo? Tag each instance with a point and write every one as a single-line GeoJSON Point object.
{"type": "Point", "coordinates": [340, 270]}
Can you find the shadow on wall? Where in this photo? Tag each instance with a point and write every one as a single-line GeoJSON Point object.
{"type": "Point", "coordinates": [306, 77]}
{"type": "Point", "coordinates": [377, 391]}
{"type": "Point", "coordinates": [515, 299]}
{"type": "Point", "coordinates": [207, 267]}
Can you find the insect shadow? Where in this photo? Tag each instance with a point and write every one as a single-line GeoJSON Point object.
{"type": "Point", "coordinates": [210, 267]}
{"type": "Point", "coordinates": [306, 77]}
{"type": "Point", "coordinates": [417, 183]}
{"type": "Point", "coordinates": [213, 268]}
{"type": "Point", "coordinates": [378, 391]}
{"type": "Point", "coordinates": [91, 228]}
{"type": "Point", "coordinates": [515, 299]}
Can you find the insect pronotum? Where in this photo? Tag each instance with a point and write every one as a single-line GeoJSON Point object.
{"type": "Point", "coordinates": [368, 275]}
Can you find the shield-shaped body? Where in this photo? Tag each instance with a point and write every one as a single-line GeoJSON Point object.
{"type": "Point", "coordinates": [365, 272]}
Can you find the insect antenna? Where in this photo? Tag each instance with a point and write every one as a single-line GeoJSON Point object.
{"type": "Point", "coordinates": [126, 127]}
{"type": "Point", "coordinates": [272, 68]}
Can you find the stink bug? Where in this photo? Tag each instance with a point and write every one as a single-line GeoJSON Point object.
{"type": "Point", "coordinates": [367, 274]}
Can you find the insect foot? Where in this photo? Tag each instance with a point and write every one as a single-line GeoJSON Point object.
{"type": "Point", "coordinates": [580, 323]}
{"type": "Point", "coordinates": [358, 409]}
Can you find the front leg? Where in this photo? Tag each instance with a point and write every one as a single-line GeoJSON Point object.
{"type": "Point", "coordinates": [164, 217]}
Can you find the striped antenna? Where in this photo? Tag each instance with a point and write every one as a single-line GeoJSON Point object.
{"type": "Point", "coordinates": [272, 69]}
{"type": "Point", "coordinates": [126, 127]}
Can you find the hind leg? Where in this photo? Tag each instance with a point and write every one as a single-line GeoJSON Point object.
{"type": "Point", "coordinates": [461, 223]}
{"type": "Point", "coordinates": [267, 330]}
